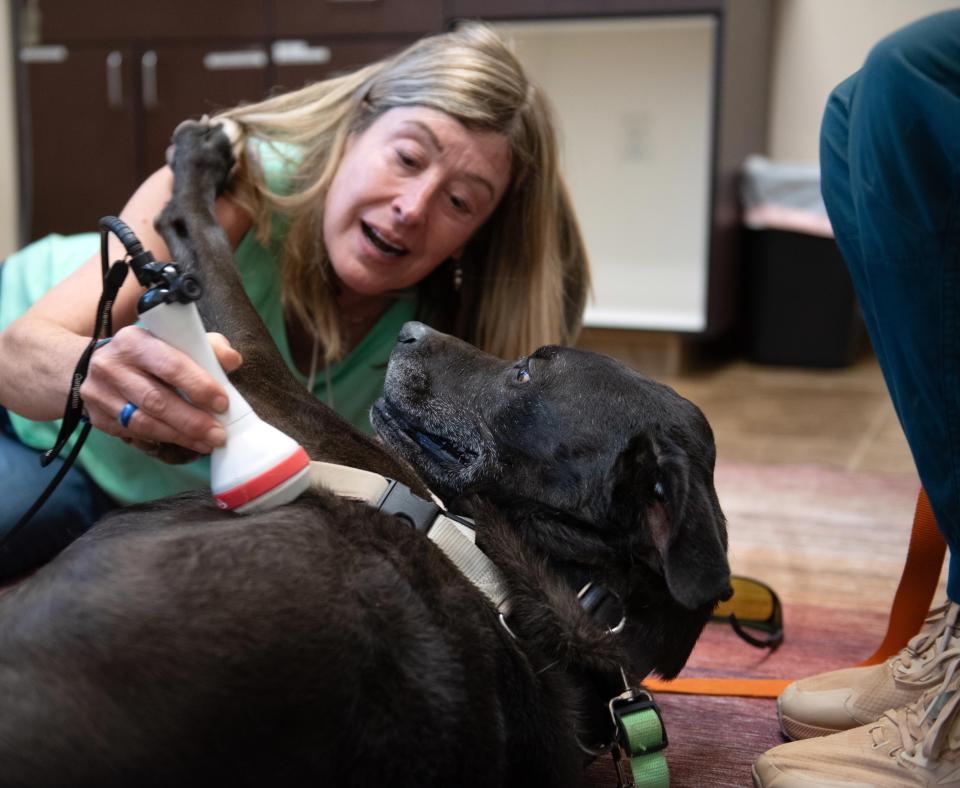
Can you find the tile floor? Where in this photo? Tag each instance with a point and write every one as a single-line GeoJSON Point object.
{"type": "Point", "coordinates": [838, 418]}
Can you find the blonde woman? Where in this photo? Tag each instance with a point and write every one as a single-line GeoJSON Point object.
{"type": "Point", "coordinates": [424, 186]}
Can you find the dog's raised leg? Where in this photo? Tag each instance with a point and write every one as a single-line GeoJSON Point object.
{"type": "Point", "coordinates": [201, 166]}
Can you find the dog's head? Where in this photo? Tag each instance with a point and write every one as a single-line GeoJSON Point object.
{"type": "Point", "coordinates": [608, 474]}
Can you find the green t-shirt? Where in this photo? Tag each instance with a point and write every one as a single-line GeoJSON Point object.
{"type": "Point", "coordinates": [128, 474]}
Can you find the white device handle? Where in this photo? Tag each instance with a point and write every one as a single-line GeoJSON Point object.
{"type": "Point", "coordinates": [179, 325]}
{"type": "Point", "coordinates": [259, 467]}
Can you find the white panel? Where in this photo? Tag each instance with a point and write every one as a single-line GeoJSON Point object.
{"type": "Point", "coordinates": [633, 99]}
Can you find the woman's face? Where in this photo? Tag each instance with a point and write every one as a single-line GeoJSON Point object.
{"type": "Point", "coordinates": [410, 191]}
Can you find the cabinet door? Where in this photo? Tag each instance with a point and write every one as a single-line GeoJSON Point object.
{"type": "Point", "coordinates": [188, 81]}
{"type": "Point", "coordinates": [298, 18]}
{"type": "Point", "coordinates": [79, 151]}
{"type": "Point", "coordinates": [298, 62]}
{"type": "Point", "coordinates": [126, 20]}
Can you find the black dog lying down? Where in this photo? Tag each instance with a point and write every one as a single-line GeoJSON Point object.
{"type": "Point", "coordinates": [326, 643]}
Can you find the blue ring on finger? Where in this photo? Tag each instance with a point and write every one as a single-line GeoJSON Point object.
{"type": "Point", "coordinates": [126, 413]}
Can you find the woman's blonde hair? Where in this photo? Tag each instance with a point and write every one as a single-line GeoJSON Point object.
{"type": "Point", "coordinates": [525, 272]}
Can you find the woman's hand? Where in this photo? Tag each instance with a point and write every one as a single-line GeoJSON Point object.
{"type": "Point", "coordinates": [138, 368]}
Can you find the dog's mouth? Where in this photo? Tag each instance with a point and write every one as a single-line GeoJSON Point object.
{"type": "Point", "coordinates": [409, 437]}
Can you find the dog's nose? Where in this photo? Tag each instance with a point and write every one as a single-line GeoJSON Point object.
{"type": "Point", "coordinates": [411, 332]}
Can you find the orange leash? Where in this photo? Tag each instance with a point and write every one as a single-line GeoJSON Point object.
{"type": "Point", "coordinates": [918, 583]}
{"type": "Point", "coordinates": [910, 605]}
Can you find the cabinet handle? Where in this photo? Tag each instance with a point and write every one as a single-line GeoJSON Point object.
{"type": "Point", "coordinates": [354, 1]}
{"type": "Point", "coordinates": [296, 52]}
{"type": "Point", "coordinates": [53, 53]}
{"type": "Point", "coordinates": [115, 80]}
{"type": "Point", "coordinates": [236, 59]}
{"type": "Point", "coordinates": [148, 76]}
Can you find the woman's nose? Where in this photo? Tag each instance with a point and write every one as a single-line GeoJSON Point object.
{"type": "Point", "coordinates": [410, 206]}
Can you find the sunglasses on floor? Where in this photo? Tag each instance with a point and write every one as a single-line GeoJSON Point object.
{"type": "Point", "coordinates": [754, 612]}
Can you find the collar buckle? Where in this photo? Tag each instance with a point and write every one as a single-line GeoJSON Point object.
{"type": "Point", "coordinates": [603, 605]}
{"type": "Point", "coordinates": [399, 501]}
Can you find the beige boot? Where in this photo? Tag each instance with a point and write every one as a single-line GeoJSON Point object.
{"type": "Point", "coordinates": [844, 699]}
{"type": "Point", "coordinates": [915, 746]}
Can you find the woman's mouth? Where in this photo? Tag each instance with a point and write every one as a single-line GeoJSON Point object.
{"type": "Point", "coordinates": [381, 243]}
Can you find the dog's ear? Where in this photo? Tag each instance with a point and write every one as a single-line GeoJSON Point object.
{"type": "Point", "coordinates": [675, 502]}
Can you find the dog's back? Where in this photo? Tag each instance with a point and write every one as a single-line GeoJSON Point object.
{"type": "Point", "coordinates": [325, 643]}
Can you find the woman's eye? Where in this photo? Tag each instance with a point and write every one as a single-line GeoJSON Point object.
{"type": "Point", "coordinates": [406, 159]}
{"type": "Point", "coordinates": [459, 204]}
{"type": "Point", "coordinates": [523, 375]}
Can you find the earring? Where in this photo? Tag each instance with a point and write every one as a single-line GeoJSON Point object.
{"type": "Point", "coordinates": [457, 275]}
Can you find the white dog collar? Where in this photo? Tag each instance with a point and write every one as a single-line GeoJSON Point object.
{"type": "Point", "coordinates": [453, 535]}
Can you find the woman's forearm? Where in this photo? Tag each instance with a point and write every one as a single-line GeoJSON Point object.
{"type": "Point", "coordinates": [37, 359]}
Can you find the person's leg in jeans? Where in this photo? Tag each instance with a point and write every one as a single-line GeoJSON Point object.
{"type": "Point", "coordinates": [73, 507]}
{"type": "Point", "coordinates": [890, 168]}
{"type": "Point", "coordinates": [891, 180]}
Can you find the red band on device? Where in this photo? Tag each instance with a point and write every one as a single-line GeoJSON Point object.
{"type": "Point", "coordinates": [266, 481]}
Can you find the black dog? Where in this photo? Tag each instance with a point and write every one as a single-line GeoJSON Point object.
{"type": "Point", "coordinates": [326, 643]}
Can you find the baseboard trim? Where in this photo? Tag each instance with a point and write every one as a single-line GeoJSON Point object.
{"type": "Point", "coordinates": [655, 353]}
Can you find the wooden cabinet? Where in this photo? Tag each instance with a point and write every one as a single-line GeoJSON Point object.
{"type": "Point", "coordinates": [78, 136]}
{"type": "Point", "coordinates": [96, 120]}
{"type": "Point", "coordinates": [181, 81]}
{"type": "Point", "coordinates": [139, 20]}
{"type": "Point", "coordinates": [356, 17]}
{"type": "Point", "coordinates": [102, 84]}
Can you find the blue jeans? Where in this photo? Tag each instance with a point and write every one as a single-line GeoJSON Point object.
{"type": "Point", "coordinates": [74, 506]}
{"type": "Point", "coordinates": [890, 169]}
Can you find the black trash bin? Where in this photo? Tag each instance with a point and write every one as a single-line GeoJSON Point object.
{"type": "Point", "coordinates": [800, 306]}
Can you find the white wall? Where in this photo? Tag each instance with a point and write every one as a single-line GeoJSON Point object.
{"type": "Point", "coordinates": [633, 101]}
{"type": "Point", "coordinates": [817, 44]}
{"type": "Point", "coordinates": [9, 202]}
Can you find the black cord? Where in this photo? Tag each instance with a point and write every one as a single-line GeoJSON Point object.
{"type": "Point", "coordinates": [111, 224]}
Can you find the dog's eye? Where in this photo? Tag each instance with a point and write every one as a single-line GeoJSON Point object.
{"type": "Point", "coordinates": [523, 374]}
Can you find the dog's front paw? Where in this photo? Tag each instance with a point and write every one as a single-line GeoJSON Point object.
{"type": "Point", "coordinates": [203, 151]}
